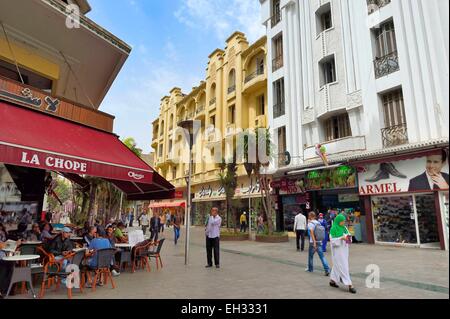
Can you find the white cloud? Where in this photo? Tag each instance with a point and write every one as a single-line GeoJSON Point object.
{"type": "Point", "coordinates": [222, 16]}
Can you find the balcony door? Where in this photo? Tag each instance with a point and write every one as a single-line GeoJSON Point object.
{"type": "Point", "coordinates": [395, 131]}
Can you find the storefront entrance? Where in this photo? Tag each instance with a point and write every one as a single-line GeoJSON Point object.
{"type": "Point", "coordinates": [408, 220]}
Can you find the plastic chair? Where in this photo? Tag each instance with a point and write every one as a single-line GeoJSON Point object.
{"type": "Point", "coordinates": [104, 257]}
{"type": "Point", "coordinates": [125, 258]}
{"type": "Point", "coordinates": [157, 254]}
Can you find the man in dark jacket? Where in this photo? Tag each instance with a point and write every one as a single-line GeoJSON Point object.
{"type": "Point", "coordinates": [61, 245]}
{"type": "Point", "coordinates": [155, 221]}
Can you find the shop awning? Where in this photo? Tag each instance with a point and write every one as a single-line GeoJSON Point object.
{"type": "Point", "coordinates": [36, 140]}
{"type": "Point", "coordinates": [168, 204]}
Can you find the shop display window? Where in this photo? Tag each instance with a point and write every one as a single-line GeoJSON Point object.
{"type": "Point", "coordinates": [394, 219]}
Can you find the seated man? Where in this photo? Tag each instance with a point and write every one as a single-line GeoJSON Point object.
{"type": "Point", "coordinates": [97, 244]}
{"type": "Point", "coordinates": [110, 236]}
{"type": "Point", "coordinates": [46, 234]}
{"type": "Point", "coordinates": [61, 246]}
{"type": "Point", "coordinates": [118, 233]}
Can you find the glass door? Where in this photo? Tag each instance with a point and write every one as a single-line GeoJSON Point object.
{"type": "Point", "coordinates": [427, 220]}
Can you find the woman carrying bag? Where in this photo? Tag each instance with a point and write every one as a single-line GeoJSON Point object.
{"type": "Point", "coordinates": [340, 242]}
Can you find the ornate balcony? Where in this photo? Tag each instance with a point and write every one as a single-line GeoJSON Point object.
{"type": "Point", "coordinates": [395, 135]}
{"type": "Point", "coordinates": [260, 121]}
{"type": "Point", "coordinates": [277, 63]}
{"type": "Point", "coordinates": [259, 71]}
{"type": "Point", "coordinates": [200, 109]}
{"type": "Point", "coordinates": [386, 65]}
{"type": "Point", "coordinates": [231, 89]}
{"type": "Point", "coordinates": [212, 101]}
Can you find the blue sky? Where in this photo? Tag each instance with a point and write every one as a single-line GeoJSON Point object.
{"type": "Point", "coordinates": [171, 41]}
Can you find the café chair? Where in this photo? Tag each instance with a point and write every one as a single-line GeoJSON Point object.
{"type": "Point", "coordinates": [140, 255]}
{"type": "Point", "coordinates": [157, 254]}
{"type": "Point", "coordinates": [104, 258]}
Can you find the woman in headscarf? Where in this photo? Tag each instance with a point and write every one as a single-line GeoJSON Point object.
{"type": "Point", "coordinates": [340, 241]}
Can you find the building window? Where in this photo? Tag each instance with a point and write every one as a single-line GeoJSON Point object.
{"type": "Point", "coordinates": [30, 78]}
{"type": "Point", "coordinates": [212, 120]}
{"type": "Point", "coordinates": [327, 69]}
{"type": "Point", "coordinates": [324, 20]}
{"type": "Point", "coordinates": [232, 114]}
{"type": "Point", "coordinates": [212, 101]}
{"type": "Point", "coordinates": [261, 109]}
{"type": "Point", "coordinates": [395, 131]}
{"type": "Point", "coordinates": [386, 57]}
{"type": "Point", "coordinates": [160, 151]}
{"type": "Point", "coordinates": [277, 62]}
{"type": "Point", "coordinates": [278, 98]}
{"type": "Point", "coordinates": [161, 131]}
{"type": "Point", "coordinates": [276, 13]}
{"type": "Point", "coordinates": [281, 146]}
{"type": "Point", "coordinates": [174, 173]}
{"type": "Point", "coordinates": [170, 146]}
{"type": "Point", "coordinates": [337, 127]}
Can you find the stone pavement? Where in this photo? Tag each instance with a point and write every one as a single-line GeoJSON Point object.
{"type": "Point", "coordinates": [260, 271]}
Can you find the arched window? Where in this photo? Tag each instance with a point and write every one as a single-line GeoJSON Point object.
{"type": "Point", "coordinates": [171, 123]}
{"type": "Point", "coordinates": [232, 81]}
{"type": "Point", "coordinates": [213, 94]}
{"type": "Point", "coordinates": [161, 131]}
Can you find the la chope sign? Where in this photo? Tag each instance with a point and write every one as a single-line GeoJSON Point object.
{"type": "Point", "coordinates": [53, 162]}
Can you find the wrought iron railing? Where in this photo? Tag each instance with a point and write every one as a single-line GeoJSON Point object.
{"type": "Point", "coordinates": [395, 135]}
{"type": "Point", "coordinates": [386, 65]}
{"type": "Point", "coordinates": [277, 63]}
{"type": "Point", "coordinates": [259, 71]}
{"type": "Point", "coordinates": [231, 89]}
{"type": "Point", "coordinates": [278, 110]}
{"type": "Point", "coordinates": [212, 101]}
{"type": "Point", "coordinates": [200, 109]}
{"type": "Point", "coordinates": [283, 159]}
{"type": "Point", "coordinates": [275, 19]}
{"type": "Point", "coordinates": [374, 5]}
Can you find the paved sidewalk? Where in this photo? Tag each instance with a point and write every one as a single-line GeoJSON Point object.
{"type": "Point", "coordinates": [257, 270]}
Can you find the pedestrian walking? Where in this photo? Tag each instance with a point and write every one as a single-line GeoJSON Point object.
{"type": "Point", "coordinates": [131, 218]}
{"type": "Point", "coordinates": [260, 224]}
{"type": "Point", "coordinates": [212, 232]}
{"type": "Point", "coordinates": [324, 224]}
{"type": "Point", "coordinates": [155, 222]}
{"type": "Point", "coordinates": [316, 236]}
{"type": "Point", "coordinates": [144, 222]}
{"type": "Point", "coordinates": [300, 230]}
{"type": "Point", "coordinates": [162, 224]}
{"type": "Point", "coordinates": [176, 223]}
{"type": "Point", "coordinates": [168, 219]}
{"type": "Point", "coordinates": [340, 242]}
{"type": "Point", "coordinates": [243, 222]}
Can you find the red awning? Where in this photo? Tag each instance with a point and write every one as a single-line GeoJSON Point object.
{"type": "Point", "coordinates": [37, 140]}
{"type": "Point", "coordinates": [168, 204]}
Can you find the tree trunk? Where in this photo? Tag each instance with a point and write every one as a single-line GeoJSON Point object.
{"type": "Point", "coordinates": [92, 199]}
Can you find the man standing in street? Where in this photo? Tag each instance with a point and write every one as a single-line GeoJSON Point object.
{"type": "Point", "coordinates": [316, 236]}
{"type": "Point", "coordinates": [243, 222]}
{"type": "Point", "coordinates": [300, 230]}
{"type": "Point", "coordinates": [213, 237]}
{"type": "Point", "coordinates": [155, 221]}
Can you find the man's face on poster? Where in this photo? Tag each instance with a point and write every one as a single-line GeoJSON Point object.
{"type": "Point", "coordinates": [434, 165]}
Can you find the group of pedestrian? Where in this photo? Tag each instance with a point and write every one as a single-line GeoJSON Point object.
{"type": "Point", "coordinates": [158, 222]}
{"type": "Point", "coordinates": [320, 233]}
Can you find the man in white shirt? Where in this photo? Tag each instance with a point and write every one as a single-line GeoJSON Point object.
{"type": "Point", "coordinates": [144, 222]}
{"type": "Point", "coordinates": [300, 229]}
{"type": "Point", "coordinates": [213, 237]}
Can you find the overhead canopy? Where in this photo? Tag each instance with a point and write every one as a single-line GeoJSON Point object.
{"type": "Point", "coordinates": [36, 140]}
{"type": "Point", "coordinates": [168, 204]}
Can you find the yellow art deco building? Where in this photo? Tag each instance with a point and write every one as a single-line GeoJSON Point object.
{"type": "Point", "coordinates": [232, 96]}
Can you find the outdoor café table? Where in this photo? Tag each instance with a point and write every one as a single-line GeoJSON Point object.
{"type": "Point", "coordinates": [124, 245]}
{"type": "Point", "coordinates": [31, 243]}
{"type": "Point", "coordinates": [21, 274]}
{"type": "Point", "coordinates": [76, 238]}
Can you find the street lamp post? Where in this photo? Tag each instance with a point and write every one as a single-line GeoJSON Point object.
{"type": "Point", "coordinates": [189, 127]}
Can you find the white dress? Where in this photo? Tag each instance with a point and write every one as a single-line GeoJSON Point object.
{"type": "Point", "coordinates": [340, 253]}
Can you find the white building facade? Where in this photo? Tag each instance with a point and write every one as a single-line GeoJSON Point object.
{"type": "Point", "coordinates": [368, 81]}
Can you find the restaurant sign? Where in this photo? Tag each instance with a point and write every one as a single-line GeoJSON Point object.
{"type": "Point", "coordinates": [26, 96]}
{"type": "Point", "coordinates": [425, 174]}
{"type": "Point", "coordinates": [70, 164]}
{"type": "Point", "coordinates": [218, 192]}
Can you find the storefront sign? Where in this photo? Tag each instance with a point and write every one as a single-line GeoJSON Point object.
{"type": "Point", "coordinates": [415, 175]}
{"type": "Point", "coordinates": [289, 186]}
{"type": "Point", "coordinates": [341, 177]}
{"type": "Point", "coordinates": [218, 192]}
{"type": "Point", "coordinates": [179, 194]}
{"type": "Point", "coordinates": [53, 162]}
{"type": "Point", "coordinates": [26, 97]}
{"type": "Point", "coordinates": [347, 198]}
